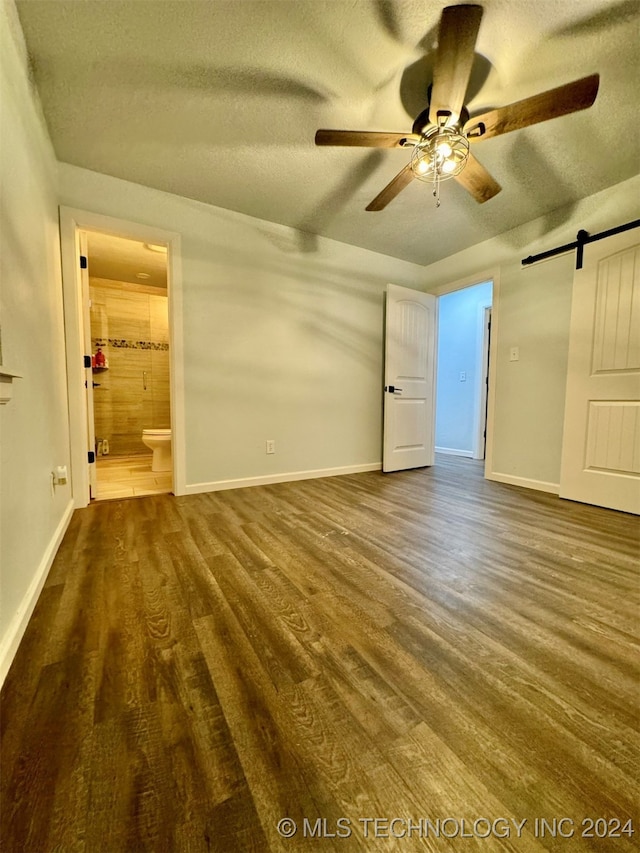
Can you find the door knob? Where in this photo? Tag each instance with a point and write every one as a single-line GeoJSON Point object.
{"type": "Point", "coordinates": [392, 388]}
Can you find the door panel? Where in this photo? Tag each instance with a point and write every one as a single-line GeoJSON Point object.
{"type": "Point", "coordinates": [601, 442]}
{"type": "Point", "coordinates": [409, 379]}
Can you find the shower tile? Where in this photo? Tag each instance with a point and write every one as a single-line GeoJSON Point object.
{"type": "Point", "coordinates": [159, 318]}
{"type": "Point", "coordinates": [160, 392]}
{"type": "Point", "coordinates": [147, 415]}
{"type": "Point", "coordinates": [128, 316]}
{"type": "Point", "coordinates": [99, 318]}
{"type": "Point", "coordinates": [161, 415]}
{"type": "Point", "coordinates": [160, 361]}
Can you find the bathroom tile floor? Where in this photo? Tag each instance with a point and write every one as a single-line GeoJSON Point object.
{"type": "Point", "coordinates": [129, 476]}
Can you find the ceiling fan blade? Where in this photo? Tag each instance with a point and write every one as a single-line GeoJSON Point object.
{"type": "Point", "coordinates": [459, 27]}
{"type": "Point", "coordinates": [401, 180]}
{"type": "Point", "coordinates": [365, 138]}
{"type": "Point", "coordinates": [477, 181]}
{"type": "Point", "coordinates": [551, 104]}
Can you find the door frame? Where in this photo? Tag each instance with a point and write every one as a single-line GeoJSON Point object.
{"type": "Point", "coordinates": [85, 295]}
{"type": "Point", "coordinates": [482, 386]}
{"type": "Point", "coordinates": [72, 222]}
{"type": "Point", "coordinates": [492, 275]}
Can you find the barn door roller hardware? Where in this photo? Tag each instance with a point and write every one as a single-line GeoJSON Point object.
{"type": "Point", "coordinates": [582, 238]}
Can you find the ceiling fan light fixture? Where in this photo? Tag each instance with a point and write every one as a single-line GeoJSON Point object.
{"type": "Point", "coordinates": [441, 154]}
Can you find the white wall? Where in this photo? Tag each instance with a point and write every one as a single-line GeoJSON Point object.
{"type": "Point", "coordinates": [533, 308]}
{"type": "Point", "coordinates": [34, 429]}
{"type": "Point", "coordinates": [282, 335]}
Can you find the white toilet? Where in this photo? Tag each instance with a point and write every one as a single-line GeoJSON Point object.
{"type": "Point", "coordinates": [159, 440]}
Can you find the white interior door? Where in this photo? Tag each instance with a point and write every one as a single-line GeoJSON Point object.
{"type": "Point", "coordinates": [601, 440]}
{"type": "Point", "coordinates": [86, 333]}
{"type": "Point", "coordinates": [409, 377]}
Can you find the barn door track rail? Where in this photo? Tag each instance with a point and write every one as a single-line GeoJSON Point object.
{"type": "Point", "coordinates": [582, 238]}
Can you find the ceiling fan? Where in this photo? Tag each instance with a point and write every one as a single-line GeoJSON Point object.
{"type": "Point", "coordinates": [442, 132]}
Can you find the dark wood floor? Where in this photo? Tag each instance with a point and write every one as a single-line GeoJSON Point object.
{"type": "Point", "coordinates": [422, 645]}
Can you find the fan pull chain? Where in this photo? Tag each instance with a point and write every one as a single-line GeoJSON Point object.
{"type": "Point", "coordinates": [436, 187]}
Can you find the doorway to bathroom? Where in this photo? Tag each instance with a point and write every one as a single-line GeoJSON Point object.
{"type": "Point", "coordinates": [129, 399]}
{"type": "Point", "coordinates": [75, 226]}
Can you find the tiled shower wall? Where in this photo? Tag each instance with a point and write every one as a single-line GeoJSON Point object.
{"type": "Point", "coordinates": [130, 324]}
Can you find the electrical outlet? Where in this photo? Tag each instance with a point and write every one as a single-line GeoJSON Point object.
{"type": "Point", "coordinates": [271, 445]}
{"type": "Point", "coordinates": [59, 476]}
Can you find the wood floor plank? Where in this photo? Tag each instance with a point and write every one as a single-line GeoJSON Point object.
{"type": "Point", "coordinates": [426, 644]}
{"type": "Point", "coordinates": [13, 718]}
{"type": "Point", "coordinates": [436, 775]}
{"type": "Point", "coordinates": [282, 654]}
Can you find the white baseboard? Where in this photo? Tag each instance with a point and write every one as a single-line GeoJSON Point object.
{"type": "Point", "coordinates": [268, 479]}
{"type": "Point", "coordinates": [524, 482]}
{"type": "Point", "coordinates": [451, 451]}
{"type": "Point", "coordinates": [17, 626]}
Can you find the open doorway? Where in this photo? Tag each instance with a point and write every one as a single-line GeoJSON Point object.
{"type": "Point", "coordinates": [75, 228]}
{"type": "Point", "coordinates": [415, 324]}
{"type": "Point", "coordinates": [464, 328]}
{"type": "Point", "coordinates": [130, 395]}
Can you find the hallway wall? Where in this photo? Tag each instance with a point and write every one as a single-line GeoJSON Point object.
{"type": "Point", "coordinates": [34, 424]}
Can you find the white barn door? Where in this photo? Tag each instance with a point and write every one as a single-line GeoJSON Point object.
{"type": "Point", "coordinates": [409, 377]}
{"type": "Point", "coordinates": [601, 439]}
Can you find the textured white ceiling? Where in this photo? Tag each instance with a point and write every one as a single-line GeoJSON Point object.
{"type": "Point", "coordinates": [220, 101]}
